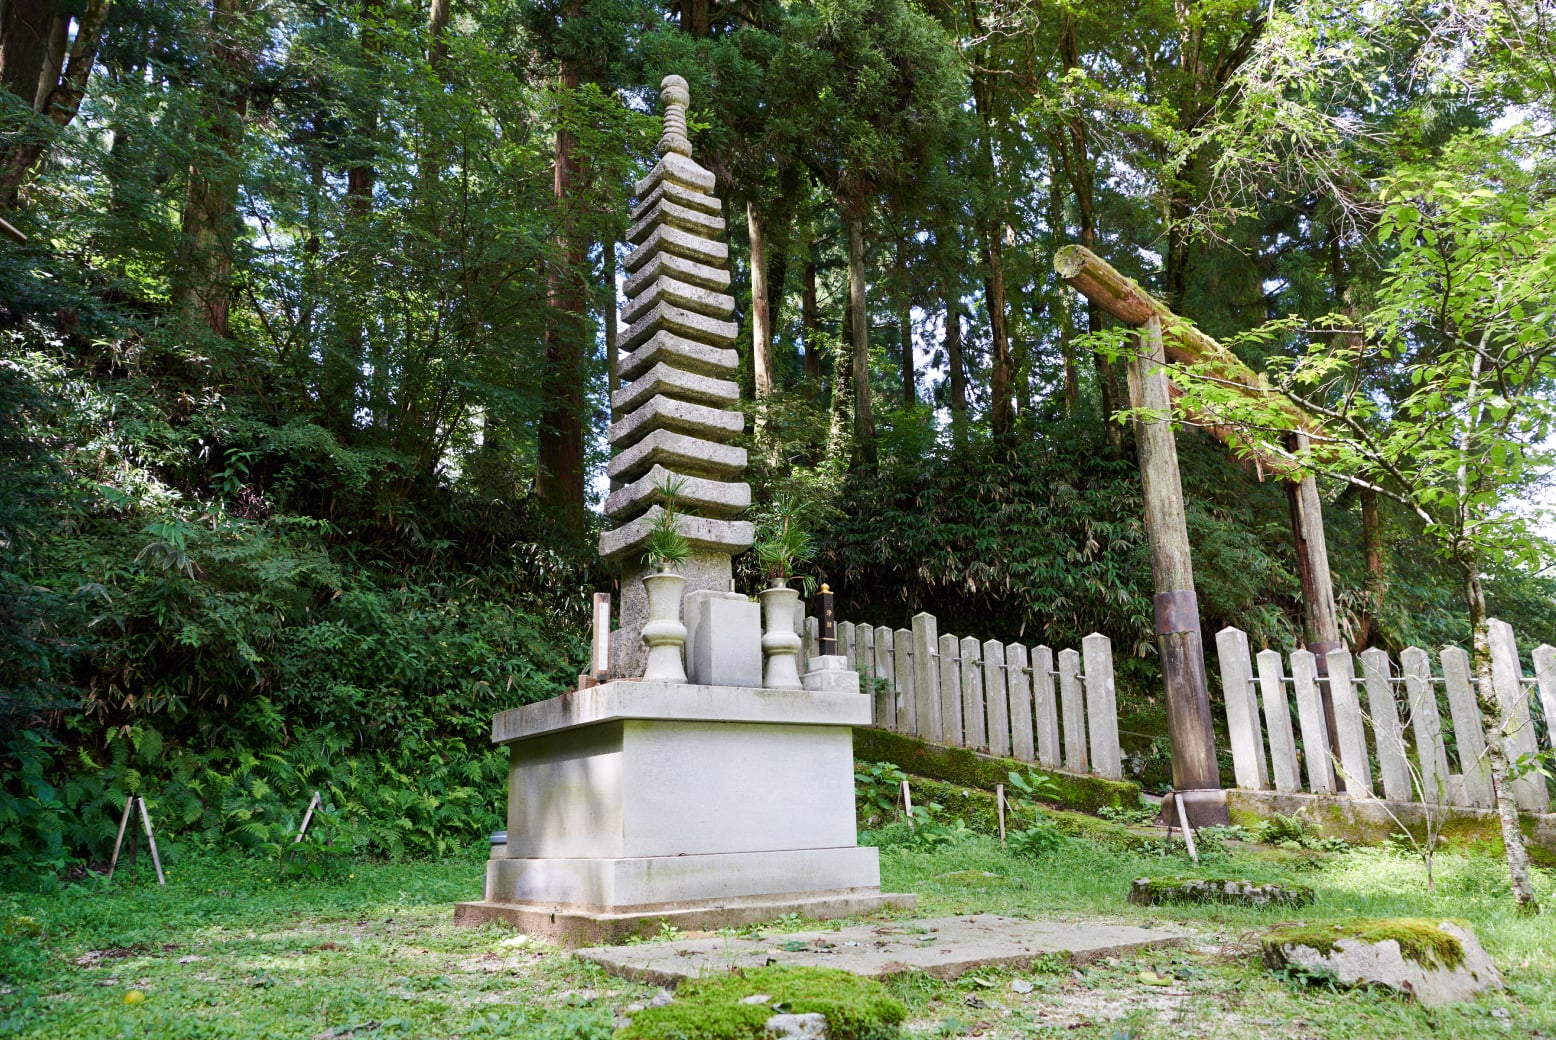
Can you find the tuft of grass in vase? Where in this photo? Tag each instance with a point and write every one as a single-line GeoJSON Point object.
{"type": "Point", "coordinates": [667, 546]}
{"type": "Point", "coordinates": [782, 542]}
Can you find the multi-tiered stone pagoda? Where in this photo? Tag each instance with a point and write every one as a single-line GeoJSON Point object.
{"type": "Point", "coordinates": [676, 415]}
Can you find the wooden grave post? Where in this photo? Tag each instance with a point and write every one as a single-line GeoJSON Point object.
{"type": "Point", "coordinates": [1177, 608]}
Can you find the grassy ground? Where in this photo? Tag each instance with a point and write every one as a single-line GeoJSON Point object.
{"type": "Point", "coordinates": [227, 950]}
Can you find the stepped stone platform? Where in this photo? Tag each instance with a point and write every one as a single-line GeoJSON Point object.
{"type": "Point", "coordinates": [945, 947]}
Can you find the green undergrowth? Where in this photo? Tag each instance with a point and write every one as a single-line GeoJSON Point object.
{"type": "Point", "coordinates": [230, 948]}
{"type": "Point", "coordinates": [711, 1008]}
{"type": "Point", "coordinates": [1421, 941]}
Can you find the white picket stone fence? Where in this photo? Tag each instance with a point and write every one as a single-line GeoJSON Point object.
{"type": "Point", "coordinates": [1406, 755]}
{"type": "Point", "coordinates": [989, 696]}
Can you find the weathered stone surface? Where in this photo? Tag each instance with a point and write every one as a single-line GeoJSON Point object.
{"type": "Point", "coordinates": [679, 193]}
{"type": "Point", "coordinates": [682, 294]}
{"type": "Point", "coordinates": [666, 213]}
{"type": "Point", "coordinates": [706, 497]}
{"type": "Point", "coordinates": [677, 168]}
{"type": "Point", "coordinates": [829, 673]}
{"type": "Point", "coordinates": [1434, 962]}
{"type": "Point", "coordinates": [680, 352]}
{"type": "Point", "coordinates": [944, 947]}
{"type": "Point", "coordinates": [704, 533]}
{"type": "Point", "coordinates": [667, 317]}
{"type": "Point", "coordinates": [680, 453]}
{"type": "Point", "coordinates": [675, 382]}
{"type": "Point", "coordinates": [716, 278]}
{"type": "Point", "coordinates": [1165, 891]}
{"type": "Point", "coordinates": [723, 639]}
{"type": "Point", "coordinates": [678, 243]}
{"type": "Point", "coordinates": [810, 1026]}
{"type": "Point", "coordinates": [702, 570]}
{"type": "Point", "coordinates": [666, 413]}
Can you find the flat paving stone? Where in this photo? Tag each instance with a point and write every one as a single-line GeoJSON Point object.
{"type": "Point", "coordinates": [942, 946]}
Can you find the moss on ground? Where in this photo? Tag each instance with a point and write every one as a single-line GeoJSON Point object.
{"type": "Point", "coordinates": [1420, 940]}
{"type": "Point", "coordinates": [1153, 891]}
{"type": "Point", "coordinates": [710, 1008]}
{"type": "Point", "coordinates": [970, 769]}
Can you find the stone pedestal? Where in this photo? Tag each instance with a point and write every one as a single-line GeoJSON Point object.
{"type": "Point", "coordinates": [829, 673]}
{"type": "Point", "coordinates": [635, 802]}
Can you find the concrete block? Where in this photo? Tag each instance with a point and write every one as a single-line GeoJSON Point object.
{"type": "Point", "coordinates": [726, 649]}
{"type": "Point", "coordinates": [677, 243]}
{"type": "Point", "coordinates": [697, 495]}
{"type": "Point", "coordinates": [666, 413]}
{"type": "Point", "coordinates": [1427, 725]}
{"type": "Point", "coordinates": [1468, 728]}
{"type": "Point", "coordinates": [643, 882]}
{"type": "Point", "coordinates": [668, 213]}
{"type": "Point", "coordinates": [678, 193]}
{"type": "Point", "coordinates": [1284, 769]}
{"type": "Point", "coordinates": [678, 352]}
{"type": "Point", "coordinates": [678, 383]}
{"type": "Point", "coordinates": [680, 268]}
{"type": "Point", "coordinates": [682, 294]}
{"type": "Point", "coordinates": [680, 453]}
{"type": "Point", "coordinates": [677, 169]}
{"type": "Point", "coordinates": [704, 533]}
{"type": "Point", "coordinates": [1349, 727]}
{"type": "Point", "coordinates": [1310, 716]}
{"type": "Point", "coordinates": [829, 673]}
{"type": "Point", "coordinates": [1107, 757]}
{"type": "Point", "coordinates": [1242, 710]}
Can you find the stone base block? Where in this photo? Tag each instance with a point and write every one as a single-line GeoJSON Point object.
{"type": "Point", "coordinates": [632, 884]}
{"type": "Point", "coordinates": [723, 639]}
{"type": "Point", "coordinates": [830, 674]}
{"type": "Point", "coordinates": [581, 927]}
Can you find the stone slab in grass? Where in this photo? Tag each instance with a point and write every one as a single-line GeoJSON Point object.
{"type": "Point", "coordinates": [1234, 891]}
{"type": "Point", "coordinates": [944, 947]}
{"type": "Point", "coordinates": [1436, 962]}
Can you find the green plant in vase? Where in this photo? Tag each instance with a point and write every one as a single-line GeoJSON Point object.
{"type": "Point", "coordinates": [781, 543]}
{"type": "Point", "coordinates": [666, 546]}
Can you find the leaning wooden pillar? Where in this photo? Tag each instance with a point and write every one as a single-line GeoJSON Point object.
{"type": "Point", "coordinates": [1189, 724]}
{"type": "Point", "coordinates": [1321, 623]}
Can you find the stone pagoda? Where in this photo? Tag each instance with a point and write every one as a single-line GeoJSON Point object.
{"type": "Point", "coordinates": [636, 802]}
{"type": "Point", "coordinates": [676, 415]}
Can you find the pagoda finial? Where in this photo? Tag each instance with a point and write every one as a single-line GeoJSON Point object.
{"type": "Point", "coordinates": [676, 96]}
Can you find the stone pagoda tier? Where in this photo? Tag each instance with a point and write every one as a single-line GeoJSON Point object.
{"type": "Point", "coordinates": [676, 414]}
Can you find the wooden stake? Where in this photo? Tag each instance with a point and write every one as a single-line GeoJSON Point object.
{"type": "Point", "coordinates": [907, 804]}
{"type": "Point", "coordinates": [313, 804]}
{"type": "Point", "coordinates": [999, 800]}
{"type": "Point", "coordinates": [1188, 831]}
{"type": "Point", "coordinates": [601, 652]}
{"type": "Point", "coordinates": [124, 819]}
{"type": "Point", "coordinates": [156, 860]}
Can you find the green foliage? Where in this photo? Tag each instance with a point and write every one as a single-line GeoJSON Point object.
{"type": "Point", "coordinates": [1419, 940]}
{"type": "Point", "coordinates": [783, 540]}
{"type": "Point", "coordinates": [710, 1008]}
{"type": "Point", "coordinates": [666, 545]}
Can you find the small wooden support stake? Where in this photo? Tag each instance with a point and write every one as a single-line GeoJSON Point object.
{"type": "Point", "coordinates": [907, 804]}
{"type": "Point", "coordinates": [1188, 830]}
{"type": "Point", "coordinates": [600, 654]}
{"type": "Point", "coordinates": [313, 803]}
{"type": "Point", "coordinates": [156, 860]}
{"type": "Point", "coordinates": [124, 820]}
{"type": "Point", "coordinates": [999, 800]}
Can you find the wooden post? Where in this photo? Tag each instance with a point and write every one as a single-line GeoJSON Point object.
{"type": "Point", "coordinates": [601, 647]}
{"type": "Point", "coordinates": [113, 863]}
{"type": "Point", "coordinates": [828, 645]}
{"type": "Point", "coordinates": [907, 805]}
{"type": "Point", "coordinates": [1177, 608]}
{"type": "Point", "coordinates": [1320, 621]}
{"type": "Point", "coordinates": [151, 839]}
{"type": "Point", "coordinates": [999, 800]}
{"type": "Point", "coordinates": [313, 803]}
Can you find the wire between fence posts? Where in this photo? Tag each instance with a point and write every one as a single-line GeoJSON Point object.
{"type": "Point", "coordinates": [313, 803]}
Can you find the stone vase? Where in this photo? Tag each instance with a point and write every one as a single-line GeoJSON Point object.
{"type": "Point", "coordinates": [780, 642]}
{"type": "Point", "coordinates": [664, 633]}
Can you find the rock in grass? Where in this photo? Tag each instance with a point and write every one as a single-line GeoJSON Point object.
{"type": "Point", "coordinates": [810, 1026]}
{"type": "Point", "coordinates": [1434, 962]}
{"type": "Point", "coordinates": [1156, 891]}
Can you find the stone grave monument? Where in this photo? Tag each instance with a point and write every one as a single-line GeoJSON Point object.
{"type": "Point", "coordinates": [707, 803]}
